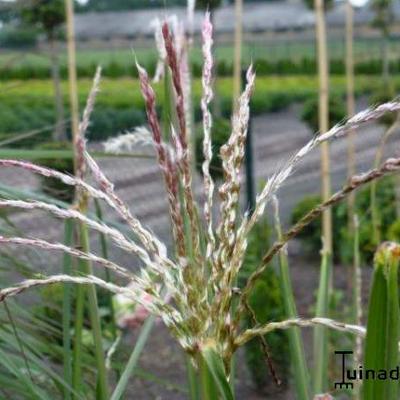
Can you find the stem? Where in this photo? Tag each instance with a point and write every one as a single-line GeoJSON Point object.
{"type": "Point", "coordinates": [167, 116]}
{"type": "Point", "coordinates": [208, 388]}
{"type": "Point", "coordinates": [321, 333]}
{"type": "Point", "coordinates": [323, 121]}
{"type": "Point", "coordinates": [95, 322]}
{"type": "Point", "coordinates": [107, 272]}
{"type": "Point", "coordinates": [133, 359]}
{"type": "Point", "coordinates": [78, 327]}
{"type": "Point", "coordinates": [350, 106]}
{"type": "Point", "coordinates": [193, 381]}
{"type": "Point", "coordinates": [357, 303]}
{"type": "Point", "coordinates": [67, 301]}
{"type": "Point", "coordinates": [86, 269]}
{"type": "Point", "coordinates": [299, 364]}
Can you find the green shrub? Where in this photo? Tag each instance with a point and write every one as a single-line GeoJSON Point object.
{"type": "Point", "coordinates": [387, 213]}
{"type": "Point", "coordinates": [118, 68]}
{"type": "Point", "coordinates": [221, 131]}
{"type": "Point", "coordinates": [309, 114]}
{"type": "Point", "coordinates": [267, 303]}
{"type": "Point", "coordinates": [223, 68]}
{"type": "Point", "coordinates": [311, 234]}
{"type": "Point", "coordinates": [51, 186]}
{"type": "Point", "coordinates": [18, 118]}
{"type": "Point", "coordinates": [106, 121]}
{"type": "Point", "coordinates": [18, 37]}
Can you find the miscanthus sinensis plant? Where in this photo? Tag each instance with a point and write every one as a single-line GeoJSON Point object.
{"type": "Point", "coordinates": [192, 288]}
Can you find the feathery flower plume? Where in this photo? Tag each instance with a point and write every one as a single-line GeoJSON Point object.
{"type": "Point", "coordinates": [116, 236]}
{"type": "Point", "coordinates": [184, 164]}
{"type": "Point", "coordinates": [80, 141]}
{"type": "Point", "coordinates": [232, 154]}
{"type": "Point", "coordinates": [150, 242]}
{"type": "Point", "coordinates": [43, 244]}
{"type": "Point", "coordinates": [166, 164]}
{"type": "Point", "coordinates": [126, 142]}
{"type": "Point", "coordinates": [154, 305]}
{"type": "Point", "coordinates": [108, 195]}
{"type": "Point", "coordinates": [299, 322]}
{"type": "Point", "coordinates": [207, 34]}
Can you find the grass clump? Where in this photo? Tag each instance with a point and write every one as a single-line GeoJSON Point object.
{"type": "Point", "coordinates": [309, 114]}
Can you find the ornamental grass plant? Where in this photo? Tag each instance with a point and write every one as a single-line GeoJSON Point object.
{"type": "Point", "coordinates": [193, 287]}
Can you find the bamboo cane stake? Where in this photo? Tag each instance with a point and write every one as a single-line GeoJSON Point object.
{"type": "Point", "coordinates": [351, 167]}
{"type": "Point", "coordinates": [323, 119]}
{"type": "Point", "coordinates": [325, 285]}
{"type": "Point", "coordinates": [237, 63]}
{"type": "Point", "coordinates": [72, 79]}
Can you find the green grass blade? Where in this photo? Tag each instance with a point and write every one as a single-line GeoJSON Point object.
{"type": "Point", "coordinates": [78, 329]}
{"type": "Point", "coordinates": [133, 359]}
{"type": "Point", "coordinates": [104, 254]}
{"type": "Point", "coordinates": [216, 368]}
{"type": "Point", "coordinates": [356, 308]}
{"type": "Point", "coordinates": [95, 322]}
{"type": "Point", "coordinates": [208, 388]}
{"type": "Point", "coordinates": [383, 327]}
{"type": "Point", "coordinates": [32, 348]}
{"type": "Point", "coordinates": [375, 215]}
{"type": "Point", "coordinates": [320, 379]}
{"type": "Point", "coordinates": [67, 301]}
{"type": "Point", "coordinates": [89, 290]}
{"type": "Point", "coordinates": [298, 359]}
{"type": "Point", "coordinates": [32, 390]}
{"type": "Point", "coordinates": [18, 339]}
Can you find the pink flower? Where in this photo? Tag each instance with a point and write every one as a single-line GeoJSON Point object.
{"type": "Point", "coordinates": [131, 315]}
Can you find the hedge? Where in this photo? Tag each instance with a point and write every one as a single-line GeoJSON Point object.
{"type": "Point", "coordinates": [119, 106]}
{"type": "Point", "coordinates": [118, 68]}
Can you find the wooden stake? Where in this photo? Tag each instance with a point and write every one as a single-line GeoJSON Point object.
{"type": "Point", "coordinates": [323, 118]}
{"type": "Point", "coordinates": [72, 80]}
{"type": "Point", "coordinates": [351, 167]}
{"type": "Point", "coordinates": [237, 62]}
{"type": "Point", "coordinates": [321, 338]}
